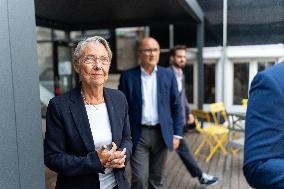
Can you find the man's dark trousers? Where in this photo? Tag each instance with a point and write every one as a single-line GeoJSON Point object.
{"type": "Point", "coordinates": [187, 159]}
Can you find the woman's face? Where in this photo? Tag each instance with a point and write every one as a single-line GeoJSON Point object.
{"type": "Point", "coordinates": [93, 65]}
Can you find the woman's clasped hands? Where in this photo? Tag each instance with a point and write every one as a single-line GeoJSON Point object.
{"type": "Point", "coordinates": [112, 158]}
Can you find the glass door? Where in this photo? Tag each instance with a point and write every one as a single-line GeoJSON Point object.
{"type": "Point", "coordinates": [63, 71]}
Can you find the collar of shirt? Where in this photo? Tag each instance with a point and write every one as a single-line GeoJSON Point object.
{"type": "Point", "coordinates": [145, 73]}
{"type": "Point", "coordinates": [179, 77]}
{"type": "Point", "coordinates": [178, 72]}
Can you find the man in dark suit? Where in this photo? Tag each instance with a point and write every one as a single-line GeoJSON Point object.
{"type": "Point", "coordinates": [178, 61]}
{"type": "Point", "coordinates": [264, 133]}
{"type": "Point", "coordinates": [156, 120]}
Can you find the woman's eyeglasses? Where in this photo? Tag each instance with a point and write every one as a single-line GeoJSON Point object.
{"type": "Point", "coordinates": [92, 60]}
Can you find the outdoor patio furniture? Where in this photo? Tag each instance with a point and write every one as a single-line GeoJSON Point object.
{"type": "Point", "coordinates": [213, 135]}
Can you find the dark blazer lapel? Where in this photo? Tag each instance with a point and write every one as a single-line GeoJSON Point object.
{"type": "Point", "coordinates": [138, 86]}
{"type": "Point", "coordinates": [159, 85]}
{"type": "Point", "coordinates": [111, 114]}
{"type": "Point", "coordinates": [80, 117]}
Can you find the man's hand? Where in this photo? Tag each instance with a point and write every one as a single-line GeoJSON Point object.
{"type": "Point", "coordinates": [176, 142]}
{"type": "Point", "coordinates": [190, 119]}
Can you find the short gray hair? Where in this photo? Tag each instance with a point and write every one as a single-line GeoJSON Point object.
{"type": "Point", "coordinates": [82, 44]}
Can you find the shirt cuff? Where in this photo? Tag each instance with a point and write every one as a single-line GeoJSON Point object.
{"type": "Point", "coordinates": [178, 137]}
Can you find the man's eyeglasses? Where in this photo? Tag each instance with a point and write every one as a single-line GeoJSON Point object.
{"type": "Point", "coordinates": [149, 51]}
{"type": "Point", "coordinates": [92, 60]}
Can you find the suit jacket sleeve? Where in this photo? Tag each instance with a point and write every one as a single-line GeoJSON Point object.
{"type": "Point", "coordinates": [186, 104]}
{"type": "Point", "coordinates": [122, 84]}
{"type": "Point", "coordinates": [176, 108]}
{"type": "Point", "coordinates": [264, 134]}
{"type": "Point", "coordinates": [55, 152]}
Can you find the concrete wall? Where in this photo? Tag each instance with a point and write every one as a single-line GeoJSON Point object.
{"type": "Point", "coordinates": [21, 151]}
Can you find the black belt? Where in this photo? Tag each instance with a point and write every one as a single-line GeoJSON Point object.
{"type": "Point", "coordinates": [151, 126]}
{"type": "Point", "coordinates": [116, 187]}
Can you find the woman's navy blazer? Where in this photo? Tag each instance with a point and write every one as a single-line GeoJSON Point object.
{"type": "Point", "coordinates": [69, 148]}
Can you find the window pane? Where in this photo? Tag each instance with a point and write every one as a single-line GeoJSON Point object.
{"type": "Point", "coordinates": [45, 66]}
{"type": "Point", "coordinates": [263, 65]}
{"type": "Point", "coordinates": [188, 72]}
{"type": "Point", "coordinates": [59, 35]}
{"type": "Point", "coordinates": [241, 80]}
{"type": "Point", "coordinates": [46, 81]}
{"type": "Point", "coordinates": [209, 83]}
{"type": "Point", "coordinates": [105, 33]}
{"type": "Point", "coordinates": [64, 68]}
{"type": "Point", "coordinates": [76, 35]}
{"type": "Point", "coordinates": [43, 33]}
{"type": "Point", "coordinates": [126, 42]}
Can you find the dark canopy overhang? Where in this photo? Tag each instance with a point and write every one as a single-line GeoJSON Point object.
{"type": "Point", "coordinates": [249, 22]}
{"type": "Point", "coordinates": [97, 14]}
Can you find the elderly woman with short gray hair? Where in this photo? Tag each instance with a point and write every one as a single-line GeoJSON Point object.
{"type": "Point", "coordinates": [88, 140]}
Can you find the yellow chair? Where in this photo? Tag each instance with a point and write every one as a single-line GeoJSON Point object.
{"type": "Point", "coordinates": [219, 113]}
{"type": "Point", "coordinates": [213, 135]}
{"type": "Point", "coordinates": [235, 141]}
{"type": "Point", "coordinates": [245, 102]}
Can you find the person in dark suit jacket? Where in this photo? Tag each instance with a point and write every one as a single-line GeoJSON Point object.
{"type": "Point", "coordinates": [178, 61]}
{"type": "Point", "coordinates": [264, 130]}
{"type": "Point", "coordinates": [155, 115]}
{"type": "Point", "coordinates": [88, 139]}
